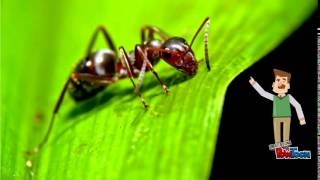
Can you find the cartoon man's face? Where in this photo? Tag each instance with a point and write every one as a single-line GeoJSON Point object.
{"type": "Point", "coordinates": [280, 85]}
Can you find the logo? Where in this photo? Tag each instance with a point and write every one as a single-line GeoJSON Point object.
{"type": "Point", "coordinates": [291, 153]}
{"type": "Point", "coordinates": [283, 151]}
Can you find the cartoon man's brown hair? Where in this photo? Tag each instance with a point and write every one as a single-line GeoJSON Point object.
{"type": "Point", "coordinates": [281, 73]}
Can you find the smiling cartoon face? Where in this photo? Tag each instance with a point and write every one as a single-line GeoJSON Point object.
{"type": "Point", "coordinates": [280, 85]}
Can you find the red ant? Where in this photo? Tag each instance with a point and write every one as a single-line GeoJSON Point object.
{"type": "Point", "coordinates": [103, 67]}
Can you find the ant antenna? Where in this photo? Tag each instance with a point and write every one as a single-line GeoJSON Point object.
{"type": "Point", "coordinates": [207, 23]}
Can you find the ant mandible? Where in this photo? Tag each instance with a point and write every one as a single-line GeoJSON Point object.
{"type": "Point", "coordinates": [103, 67]}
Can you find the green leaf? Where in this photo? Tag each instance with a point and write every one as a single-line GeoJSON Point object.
{"type": "Point", "coordinates": [112, 136]}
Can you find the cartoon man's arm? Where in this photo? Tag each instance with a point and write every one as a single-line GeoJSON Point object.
{"type": "Point", "coordinates": [298, 108]}
{"type": "Point", "coordinates": [260, 90]}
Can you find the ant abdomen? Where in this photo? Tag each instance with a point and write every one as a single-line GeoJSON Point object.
{"type": "Point", "coordinates": [82, 90]}
{"type": "Point", "coordinates": [99, 63]}
{"type": "Point", "coordinates": [104, 62]}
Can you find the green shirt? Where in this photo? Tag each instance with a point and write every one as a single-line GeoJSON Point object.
{"type": "Point", "coordinates": [281, 106]}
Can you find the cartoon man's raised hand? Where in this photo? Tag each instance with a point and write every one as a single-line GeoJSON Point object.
{"type": "Point", "coordinates": [302, 122]}
{"type": "Point", "coordinates": [252, 81]}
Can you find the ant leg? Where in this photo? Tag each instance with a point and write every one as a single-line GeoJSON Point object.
{"type": "Point", "coordinates": [143, 68]}
{"type": "Point", "coordinates": [55, 111]}
{"type": "Point", "coordinates": [150, 67]}
{"type": "Point", "coordinates": [141, 75]}
{"type": "Point", "coordinates": [151, 31]}
{"type": "Point", "coordinates": [75, 76]}
{"type": "Point", "coordinates": [100, 80]}
{"type": "Point", "coordinates": [207, 23]}
{"type": "Point", "coordinates": [106, 36]}
{"type": "Point", "coordinates": [126, 63]}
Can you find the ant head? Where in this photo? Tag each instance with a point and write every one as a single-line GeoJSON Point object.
{"type": "Point", "coordinates": [179, 54]}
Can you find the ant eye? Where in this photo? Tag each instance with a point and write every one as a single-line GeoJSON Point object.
{"type": "Point", "coordinates": [166, 55]}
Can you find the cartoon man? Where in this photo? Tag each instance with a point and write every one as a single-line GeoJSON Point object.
{"type": "Point", "coordinates": [281, 104]}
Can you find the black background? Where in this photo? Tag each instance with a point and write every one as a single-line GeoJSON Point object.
{"type": "Point", "coordinates": [246, 127]}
